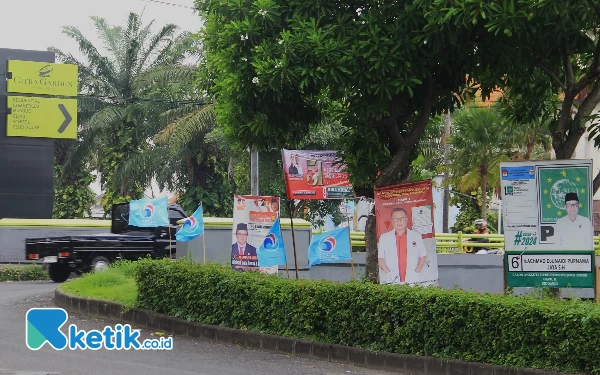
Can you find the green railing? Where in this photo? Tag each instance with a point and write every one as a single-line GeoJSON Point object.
{"type": "Point", "coordinates": [455, 242]}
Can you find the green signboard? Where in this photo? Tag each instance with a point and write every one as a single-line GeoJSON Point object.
{"type": "Point", "coordinates": [546, 212]}
{"type": "Point", "coordinates": [550, 269]}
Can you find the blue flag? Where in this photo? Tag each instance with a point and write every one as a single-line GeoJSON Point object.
{"type": "Point", "coordinates": [192, 227]}
{"type": "Point", "coordinates": [272, 250]}
{"type": "Point", "coordinates": [330, 247]}
{"type": "Point", "coordinates": [149, 213]}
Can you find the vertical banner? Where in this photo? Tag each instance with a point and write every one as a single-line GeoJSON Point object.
{"type": "Point", "coordinates": [547, 216]}
{"type": "Point", "coordinates": [315, 175]}
{"type": "Point", "coordinates": [253, 217]}
{"type": "Point", "coordinates": [406, 235]}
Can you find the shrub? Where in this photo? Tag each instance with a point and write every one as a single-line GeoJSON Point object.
{"type": "Point", "coordinates": [497, 329]}
{"type": "Point", "coordinates": [23, 273]}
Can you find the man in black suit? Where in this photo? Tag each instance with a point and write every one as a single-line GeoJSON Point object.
{"type": "Point", "coordinates": [241, 246]}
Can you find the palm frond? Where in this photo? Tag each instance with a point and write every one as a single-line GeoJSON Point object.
{"type": "Point", "coordinates": [182, 131]}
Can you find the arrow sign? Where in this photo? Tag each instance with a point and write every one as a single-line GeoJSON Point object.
{"type": "Point", "coordinates": [41, 117]}
{"type": "Point", "coordinates": [68, 118]}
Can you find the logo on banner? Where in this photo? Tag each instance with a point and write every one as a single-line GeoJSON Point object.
{"type": "Point", "coordinates": [271, 243]}
{"type": "Point", "coordinates": [327, 244]}
{"type": "Point", "coordinates": [147, 211]}
{"type": "Point", "coordinates": [191, 221]}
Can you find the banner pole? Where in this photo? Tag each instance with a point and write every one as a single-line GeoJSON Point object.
{"type": "Point", "coordinates": [204, 246]}
{"type": "Point", "coordinates": [350, 239]}
{"type": "Point", "coordinates": [596, 286]}
{"type": "Point", "coordinates": [287, 270]}
{"type": "Point", "coordinates": [293, 236]}
{"type": "Point", "coordinates": [203, 235]}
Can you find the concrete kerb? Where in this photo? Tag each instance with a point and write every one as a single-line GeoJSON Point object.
{"type": "Point", "coordinates": [391, 362]}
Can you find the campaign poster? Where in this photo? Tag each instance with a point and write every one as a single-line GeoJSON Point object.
{"type": "Point", "coordinates": [406, 234]}
{"type": "Point", "coordinates": [315, 175]}
{"type": "Point", "coordinates": [547, 216]}
{"type": "Point", "coordinates": [253, 217]}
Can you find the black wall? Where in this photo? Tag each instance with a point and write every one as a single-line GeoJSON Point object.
{"type": "Point", "coordinates": [26, 164]}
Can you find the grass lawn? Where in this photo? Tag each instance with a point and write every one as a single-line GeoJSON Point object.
{"type": "Point", "coordinates": [114, 284]}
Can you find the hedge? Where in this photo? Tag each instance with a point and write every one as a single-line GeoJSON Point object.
{"type": "Point", "coordinates": [496, 329]}
{"type": "Point", "coordinates": [23, 273]}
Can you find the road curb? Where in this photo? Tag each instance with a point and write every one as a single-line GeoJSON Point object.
{"type": "Point", "coordinates": [391, 362]}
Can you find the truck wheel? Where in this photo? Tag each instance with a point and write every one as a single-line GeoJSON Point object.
{"type": "Point", "coordinates": [59, 272]}
{"type": "Point", "coordinates": [99, 264]}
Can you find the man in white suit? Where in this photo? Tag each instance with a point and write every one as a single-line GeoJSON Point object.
{"type": "Point", "coordinates": [402, 252]}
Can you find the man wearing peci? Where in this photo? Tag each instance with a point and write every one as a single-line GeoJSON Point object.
{"type": "Point", "coordinates": [574, 232]}
{"type": "Point", "coordinates": [401, 252]}
{"type": "Point", "coordinates": [241, 246]}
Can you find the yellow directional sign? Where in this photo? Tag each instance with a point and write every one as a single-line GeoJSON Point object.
{"type": "Point", "coordinates": [30, 116]}
{"type": "Point", "coordinates": [33, 77]}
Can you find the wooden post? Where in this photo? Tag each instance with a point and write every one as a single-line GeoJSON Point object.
{"type": "Point", "coordinates": [350, 238]}
{"type": "Point", "coordinates": [293, 236]}
{"type": "Point", "coordinates": [596, 286]}
{"type": "Point", "coordinates": [204, 246]}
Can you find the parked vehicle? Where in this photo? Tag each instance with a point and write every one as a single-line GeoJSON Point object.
{"type": "Point", "coordinates": [84, 253]}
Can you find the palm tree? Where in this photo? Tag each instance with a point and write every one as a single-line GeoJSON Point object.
{"type": "Point", "coordinates": [111, 112]}
{"type": "Point", "coordinates": [478, 145]}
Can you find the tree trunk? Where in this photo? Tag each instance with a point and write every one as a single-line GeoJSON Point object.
{"type": "Point", "coordinates": [401, 145]}
{"type": "Point", "coordinates": [484, 183]}
{"type": "Point", "coordinates": [372, 271]}
{"type": "Point", "coordinates": [447, 126]}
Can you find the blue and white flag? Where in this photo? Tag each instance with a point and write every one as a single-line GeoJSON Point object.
{"type": "Point", "coordinates": [272, 250]}
{"type": "Point", "coordinates": [330, 247]}
{"type": "Point", "coordinates": [192, 227]}
{"type": "Point", "coordinates": [149, 213]}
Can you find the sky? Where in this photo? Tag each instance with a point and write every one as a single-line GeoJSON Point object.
{"type": "Point", "coordinates": [37, 24]}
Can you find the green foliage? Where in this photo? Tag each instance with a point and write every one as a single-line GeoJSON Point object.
{"type": "Point", "coordinates": [23, 273]}
{"type": "Point", "coordinates": [274, 69]}
{"type": "Point", "coordinates": [469, 206]}
{"type": "Point", "coordinates": [401, 319]}
{"type": "Point", "coordinates": [73, 197]}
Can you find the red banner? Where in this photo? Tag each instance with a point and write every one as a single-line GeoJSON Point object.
{"type": "Point", "coordinates": [406, 234]}
{"type": "Point", "coordinates": [313, 175]}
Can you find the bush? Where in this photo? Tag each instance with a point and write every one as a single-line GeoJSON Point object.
{"type": "Point", "coordinates": [23, 273]}
{"type": "Point", "coordinates": [497, 329]}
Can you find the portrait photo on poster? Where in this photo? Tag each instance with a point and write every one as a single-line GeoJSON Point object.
{"type": "Point", "coordinates": [406, 235]}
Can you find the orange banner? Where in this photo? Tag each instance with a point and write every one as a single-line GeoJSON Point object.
{"type": "Point", "coordinates": [406, 234]}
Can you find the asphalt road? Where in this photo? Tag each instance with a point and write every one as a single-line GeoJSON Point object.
{"type": "Point", "coordinates": [188, 356]}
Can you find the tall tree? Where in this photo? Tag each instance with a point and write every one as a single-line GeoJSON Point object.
{"type": "Point", "coordinates": [542, 50]}
{"type": "Point", "coordinates": [107, 80]}
{"type": "Point", "coordinates": [477, 147]}
{"type": "Point", "coordinates": [274, 66]}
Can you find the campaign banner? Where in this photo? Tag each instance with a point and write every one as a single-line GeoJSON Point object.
{"type": "Point", "coordinates": [406, 235]}
{"type": "Point", "coordinates": [149, 212]}
{"type": "Point", "coordinates": [547, 217]}
{"type": "Point", "coordinates": [253, 217]}
{"type": "Point", "coordinates": [315, 175]}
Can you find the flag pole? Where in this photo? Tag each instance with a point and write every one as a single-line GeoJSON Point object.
{"type": "Point", "coordinates": [350, 238]}
{"type": "Point", "coordinates": [203, 235]}
{"type": "Point", "coordinates": [291, 204]}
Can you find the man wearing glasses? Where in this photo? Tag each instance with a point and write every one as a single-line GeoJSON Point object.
{"type": "Point", "coordinates": [574, 232]}
{"type": "Point", "coordinates": [402, 252]}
